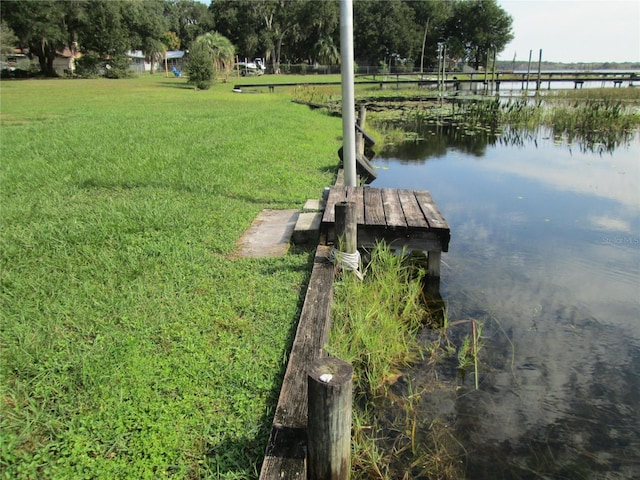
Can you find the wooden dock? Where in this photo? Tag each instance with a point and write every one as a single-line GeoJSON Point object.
{"type": "Point", "coordinates": [395, 80]}
{"type": "Point", "coordinates": [404, 219]}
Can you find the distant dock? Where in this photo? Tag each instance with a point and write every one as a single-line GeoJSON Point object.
{"type": "Point", "coordinates": [524, 81]}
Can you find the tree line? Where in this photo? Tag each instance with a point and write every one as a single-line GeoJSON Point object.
{"type": "Point", "coordinates": [399, 33]}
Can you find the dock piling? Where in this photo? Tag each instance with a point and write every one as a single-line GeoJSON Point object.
{"type": "Point", "coordinates": [346, 227]}
{"type": "Point", "coordinates": [330, 388]}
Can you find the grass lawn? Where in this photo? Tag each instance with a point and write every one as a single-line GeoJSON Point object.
{"type": "Point", "coordinates": [133, 344]}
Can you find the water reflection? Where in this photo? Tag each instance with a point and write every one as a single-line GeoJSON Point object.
{"type": "Point", "coordinates": [437, 140]}
{"type": "Point", "coordinates": [545, 251]}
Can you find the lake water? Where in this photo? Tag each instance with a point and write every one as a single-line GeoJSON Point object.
{"type": "Point", "coordinates": [545, 251]}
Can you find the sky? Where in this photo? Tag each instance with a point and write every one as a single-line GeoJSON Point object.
{"type": "Point", "coordinates": [587, 31]}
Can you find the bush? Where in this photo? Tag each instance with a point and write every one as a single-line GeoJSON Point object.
{"type": "Point", "coordinates": [118, 67]}
{"type": "Point", "coordinates": [91, 65]}
{"type": "Point", "coordinates": [16, 73]}
{"type": "Point", "coordinates": [383, 68]}
{"type": "Point", "coordinates": [200, 69]}
{"type": "Point", "coordinates": [88, 66]}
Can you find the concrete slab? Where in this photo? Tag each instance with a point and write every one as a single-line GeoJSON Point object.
{"type": "Point", "coordinates": [314, 206]}
{"type": "Point", "coordinates": [269, 234]}
{"type": "Point", "coordinates": [307, 228]}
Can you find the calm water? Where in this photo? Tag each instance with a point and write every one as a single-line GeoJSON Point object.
{"type": "Point", "coordinates": [545, 251]}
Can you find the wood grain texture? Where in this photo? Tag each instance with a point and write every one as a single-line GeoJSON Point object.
{"type": "Point", "coordinates": [285, 455]}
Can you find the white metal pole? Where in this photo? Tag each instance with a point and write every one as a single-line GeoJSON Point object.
{"type": "Point", "coordinates": [348, 96]}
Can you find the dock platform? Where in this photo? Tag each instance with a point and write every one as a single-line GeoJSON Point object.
{"type": "Point", "coordinates": [402, 218]}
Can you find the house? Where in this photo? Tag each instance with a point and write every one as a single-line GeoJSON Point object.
{"type": "Point", "coordinates": [65, 61]}
{"type": "Point", "coordinates": [173, 58]}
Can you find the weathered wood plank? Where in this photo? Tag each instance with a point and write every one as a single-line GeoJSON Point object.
{"type": "Point", "coordinates": [420, 240]}
{"type": "Point", "coordinates": [373, 209]}
{"type": "Point", "coordinates": [437, 222]}
{"type": "Point", "coordinates": [356, 195]}
{"type": "Point", "coordinates": [412, 212]}
{"type": "Point", "coordinates": [430, 210]}
{"type": "Point", "coordinates": [337, 194]}
{"type": "Point", "coordinates": [285, 453]}
{"type": "Point", "coordinates": [407, 217]}
{"type": "Point", "coordinates": [393, 213]}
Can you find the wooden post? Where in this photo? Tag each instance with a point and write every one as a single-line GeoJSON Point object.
{"type": "Point", "coordinates": [346, 227]}
{"type": "Point", "coordinates": [538, 82]}
{"type": "Point", "coordinates": [359, 145]}
{"type": "Point", "coordinates": [433, 263]}
{"type": "Point", "coordinates": [529, 68]}
{"type": "Point", "coordinates": [362, 116]}
{"type": "Point", "coordinates": [493, 71]}
{"type": "Point", "coordinates": [330, 390]}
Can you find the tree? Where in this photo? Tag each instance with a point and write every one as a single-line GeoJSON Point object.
{"type": "Point", "coordinates": [154, 51]}
{"type": "Point", "coordinates": [325, 51]}
{"type": "Point", "coordinates": [278, 30]}
{"type": "Point", "coordinates": [319, 35]}
{"type": "Point", "coordinates": [274, 27]}
{"type": "Point", "coordinates": [218, 49]}
{"type": "Point", "coordinates": [190, 19]}
{"type": "Point", "coordinates": [41, 26]}
{"type": "Point", "coordinates": [200, 68]}
{"type": "Point", "coordinates": [383, 30]}
{"type": "Point", "coordinates": [105, 31]}
{"type": "Point", "coordinates": [146, 23]}
{"type": "Point", "coordinates": [432, 18]}
{"type": "Point", "coordinates": [478, 28]}
{"type": "Point", "coordinates": [280, 20]}
{"type": "Point", "coordinates": [114, 26]}
{"type": "Point", "coordinates": [8, 39]}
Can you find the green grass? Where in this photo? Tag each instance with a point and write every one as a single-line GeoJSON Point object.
{"type": "Point", "coordinates": [375, 327]}
{"type": "Point", "coordinates": [366, 315]}
{"type": "Point", "coordinates": [133, 344]}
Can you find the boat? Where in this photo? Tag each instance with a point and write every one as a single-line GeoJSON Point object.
{"type": "Point", "coordinates": [257, 67]}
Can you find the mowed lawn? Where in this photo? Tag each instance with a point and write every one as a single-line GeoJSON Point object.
{"type": "Point", "coordinates": [133, 344]}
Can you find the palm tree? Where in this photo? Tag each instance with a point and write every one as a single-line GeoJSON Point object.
{"type": "Point", "coordinates": [153, 51]}
{"type": "Point", "coordinates": [219, 49]}
{"type": "Point", "coordinates": [326, 51]}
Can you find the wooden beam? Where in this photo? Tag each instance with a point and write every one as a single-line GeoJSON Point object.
{"type": "Point", "coordinates": [285, 456]}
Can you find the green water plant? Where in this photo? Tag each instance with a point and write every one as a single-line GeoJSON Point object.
{"type": "Point", "coordinates": [468, 353]}
{"type": "Point", "coordinates": [375, 321]}
{"type": "Point", "coordinates": [599, 120]}
{"type": "Point", "coordinates": [376, 326]}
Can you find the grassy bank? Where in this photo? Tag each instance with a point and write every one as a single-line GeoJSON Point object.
{"type": "Point", "coordinates": [133, 343]}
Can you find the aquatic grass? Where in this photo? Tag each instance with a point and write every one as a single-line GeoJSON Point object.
{"type": "Point", "coordinates": [386, 305]}
{"type": "Point", "coordinates": [600, 119]}
{"type": "Point", "coordinates": [468, 353]}
{"type": "Point", "coordinates": [594, 121]}
{"type": "Point", "coordinates": [626, 95]}
{"type": "Point", "coordinates": [375, 327]}
{"type": "Point", "coordinates": [316, 95]}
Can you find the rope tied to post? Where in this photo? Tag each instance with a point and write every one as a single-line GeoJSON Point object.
{"type": "Point", "coordinates": [347, 261]}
